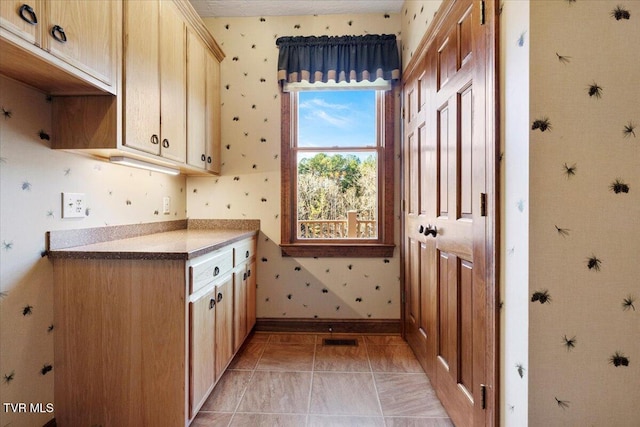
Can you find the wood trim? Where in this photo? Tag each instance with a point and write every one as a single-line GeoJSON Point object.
{"type": "Point", "coordinates": [332, 250]}
{"type": "Point", "coordinates": [194, 21]}
{"type": "Point", "coordinates": [363, 326]}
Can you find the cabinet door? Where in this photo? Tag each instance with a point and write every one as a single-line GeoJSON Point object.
{"type": "Point", "coordinates": [196, 101]}
{"type": "Point", "coordinates": [202, 374]}
{"type": "Point", "coordinates": [23, 18]}
{"type": "Point", "coordinates": [224, 324]}
{"type": "Point", "coordinates": [239, 307]}
{"type": "Point", "coordinates": [142, 81]}
{"type": "Point", "coordinates": [213, 135]}
{"type": "Point", "coordinates": [82, 33]}
{"type": "Point", "coordinates": [251, 295]}
{"type": "Point", "coordinates": [173, 90]}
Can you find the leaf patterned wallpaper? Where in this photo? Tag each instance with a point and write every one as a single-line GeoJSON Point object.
{"type": "Point", "coordinates": [32, 177]}
{"type": "Point", "coordinates": [584, 210]}
{"type": "Point", "coordinates": [249, 187]}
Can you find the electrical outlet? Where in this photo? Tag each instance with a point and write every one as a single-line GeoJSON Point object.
{"type": "Point", "coordinates": [166, 205]}
{"type": "Point", "coordinates": [73, 205]}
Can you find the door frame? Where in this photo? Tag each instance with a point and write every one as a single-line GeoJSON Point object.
{"type": "Point", "coordinates": [492, 119]}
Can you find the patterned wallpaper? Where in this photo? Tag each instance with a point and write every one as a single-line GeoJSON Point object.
{"type": "Point", "coordinates": [584, 208]}
{"type": "Point", "coordinates": [415, 18]}
{"type": "Point", "coordinates": [32, 177]}
{"type": "Point", "coordinates": [324, 288]}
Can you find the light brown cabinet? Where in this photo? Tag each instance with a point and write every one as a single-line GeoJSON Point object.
{"type": "Point", "coordinates": [244, 290]}
{"type": "Point", "coordinates": [141, 341]}
{"type": "Point", "coordinates": [203, 106]}
{"type": "Point", "coordinates": [155, 79]}
{"type": "Point", "coordinates": [62, 47]}
{"type": "Point", "coordinates": [169, 109]}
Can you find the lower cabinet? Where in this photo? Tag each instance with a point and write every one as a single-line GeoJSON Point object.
{"type": "Point", "coordinates": [143, 342]}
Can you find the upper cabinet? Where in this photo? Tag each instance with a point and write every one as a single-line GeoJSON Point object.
{"type": "Point", "coordinates": [155, 79]}
{"type": "Point", "coordinates": [62, 47]}
{"type": "Point", "coordinates": [167, 107]}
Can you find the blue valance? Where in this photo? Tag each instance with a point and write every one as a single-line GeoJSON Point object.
{"type": "Point", "coordinates": [342, 58]}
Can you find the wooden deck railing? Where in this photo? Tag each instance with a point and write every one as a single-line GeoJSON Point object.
{"type": "Point", "coordinates": [350, 228]}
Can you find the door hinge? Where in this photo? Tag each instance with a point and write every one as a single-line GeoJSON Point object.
{"type": "Point", "coordinates": [402, 113]}
{"type": "Point", "coordinates": [483, 399]}
{"type": "Point", "coordinates": [402, 297]}
{"type": "Point", "coordinates": [402, 207]}
{"type": "Point", "coordinates": [482, 12]}
{"type": "Point", "coordinates": [483, 204]}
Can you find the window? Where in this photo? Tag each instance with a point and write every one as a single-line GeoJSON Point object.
{"type": "Point", "coordinates": [337, 172]}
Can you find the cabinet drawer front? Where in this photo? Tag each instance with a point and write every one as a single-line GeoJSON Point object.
{"type": "Point", "coordinates": [243, 251]}
{"type": "Point", "coordinates": [209, 269]}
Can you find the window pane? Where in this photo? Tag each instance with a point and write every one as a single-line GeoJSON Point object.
{"type": "Point", "coordinates": [343, 118]}
{"type": "Point", "coordinates": [337, 195]}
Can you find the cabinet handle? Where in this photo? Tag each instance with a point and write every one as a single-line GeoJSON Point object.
{"type": "Point", "coordinates": [212, 303]}
{"type": "Point", "coordinates": [216, 271]}
{"type": "Point", "coordinates": [209, 159]}
{"type": "Point", "coordinates": [219, 296]}
{"type": "Point", "coordinates": [248, 273]}
{"type": "Point", "coordinates": [246, 255]}
{"type": "Point", "coordinates": [154, 139]}
{"type": "Point", "coordinates": [32, 18]}
{"type": "Point", "coordinates": [165, 143]}
{"type": "Point", "coordinates": [244, 276]}
{"type": "Point", "coordinates": [57, 32]}
{"type": "Point", "coordinates": [203, 158]}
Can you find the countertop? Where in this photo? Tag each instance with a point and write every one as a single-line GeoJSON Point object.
{"type": "Point", "coordinates": [183, 244]}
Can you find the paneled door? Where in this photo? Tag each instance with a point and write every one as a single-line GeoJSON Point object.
{"type": "Point", "coordinates": [449, 237]}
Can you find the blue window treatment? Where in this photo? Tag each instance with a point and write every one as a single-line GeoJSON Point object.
{"type": "Point", "coordinates": [338, 58]}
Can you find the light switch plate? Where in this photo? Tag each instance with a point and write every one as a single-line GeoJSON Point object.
{"type": "Point", "coordinates": [166, 205]}
{"type": "Point", "coordinates": [73, 205]}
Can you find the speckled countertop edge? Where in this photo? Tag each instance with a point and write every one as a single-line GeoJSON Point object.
{"type": "Point", "coordinates": [180, 239]}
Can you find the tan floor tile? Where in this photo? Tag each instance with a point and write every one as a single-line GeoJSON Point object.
{"type": "Point", "coordinates": [341, 358]}
{"type": "Point", "coordinates": [418, 422]}
{"type": "Point", "coordinates": [248, 356]}
{"type": "Point", "coordinates": [344, 394]}
{"type": "Point", "coordinates": [344, 421]}
{"type": "Point", "coordinates": [384, 339]}
{"type": "Point", "coordinates": [211, 419]}
{"type": "Point", "coordinates": [393, 358]}
{"type": "Point", "coordinates": [259, 337]}
{"type": "Point", "coordinates": [277, 392]}
{"type": "Point", "coordinates": [292, 338]}
{"type": "Point", "coordinates": [287, 357]}
{"type": "Point", "coordinates": [418, 399]}
{"type": "Point", "coordinates": [268, 420]}
{"type": "Point", "coordinates": [227, 393]}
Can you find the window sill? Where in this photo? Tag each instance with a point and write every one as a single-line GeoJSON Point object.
{"type": "Point", "coordinates": [335, 250]}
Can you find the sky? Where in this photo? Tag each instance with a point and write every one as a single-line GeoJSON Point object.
{"type": "Point", "coordinates": [336, 118]}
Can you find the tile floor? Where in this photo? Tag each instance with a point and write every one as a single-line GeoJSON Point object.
{"type": "Point", "coordinates": [294, 380]}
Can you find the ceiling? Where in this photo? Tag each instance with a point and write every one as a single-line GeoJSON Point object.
{"type": "Point", "coordinates": [226, 8]}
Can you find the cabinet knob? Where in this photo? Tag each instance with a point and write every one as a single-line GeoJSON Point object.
{"type": "Point", "coordinates": [248, 273]}
{"type": "Point", "coordinates": [246, 255]}
{"type": "Point", "coordinates": [244, 276]}
{"type": "Point", "coordinates": [216, 271]}
{"type": "Point", "coordinates": [203, 158]}
{"type": "Point", "coordinates": [209, 159]}
{"type": "Point", "coordinates": [219, 296]}
{"type": "Point", "coordinates": [154, 139]}
{"type": "Point", "coordinates": [212, 303]}
{"type": "Point", "coordinates": [27, 14]}
{"type": "Point", "coordinates": [57, 32]}
{"type": "Point", "coordinates": [165, 143]}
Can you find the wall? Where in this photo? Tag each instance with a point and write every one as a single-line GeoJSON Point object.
{"type": "Point", "coordinates": [32, 176]}
{"type": "Point", "coordinates": [415, 19]}
{"type": "Point", "coordinates": [323, 288]}
{"type": "Point", "coordinates": [514, 190]}
{"type": "Point", "coordinates": [584, 229]}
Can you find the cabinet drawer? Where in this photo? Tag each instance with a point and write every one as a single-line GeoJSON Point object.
{"type": "Point", "coordinates": [211, 267]}
{"type": "Point", "coordinates": [243, 251]}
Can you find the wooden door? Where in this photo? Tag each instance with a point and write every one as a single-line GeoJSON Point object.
{"type": "Point", "coordinates": [23, 18]}
{"type": "Point", "coordinates": [449, 279]}
{"type": "Point", "coordinates": [82, 33]}
{"type": "Point", "coordinates": [213, 141]}
{"type": "Point", "coordinates": [141, 76]}
{"type": "Point", "coordinates": [224, 324]}
{"type": "Point", "coordinates": [196, 100]}
{"type": "Point", "coordinates": [173, 83]}
{"type": "Point", "coordinates": [239, 307]}
{"type": "Point", "coordinates": [202, 374]}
